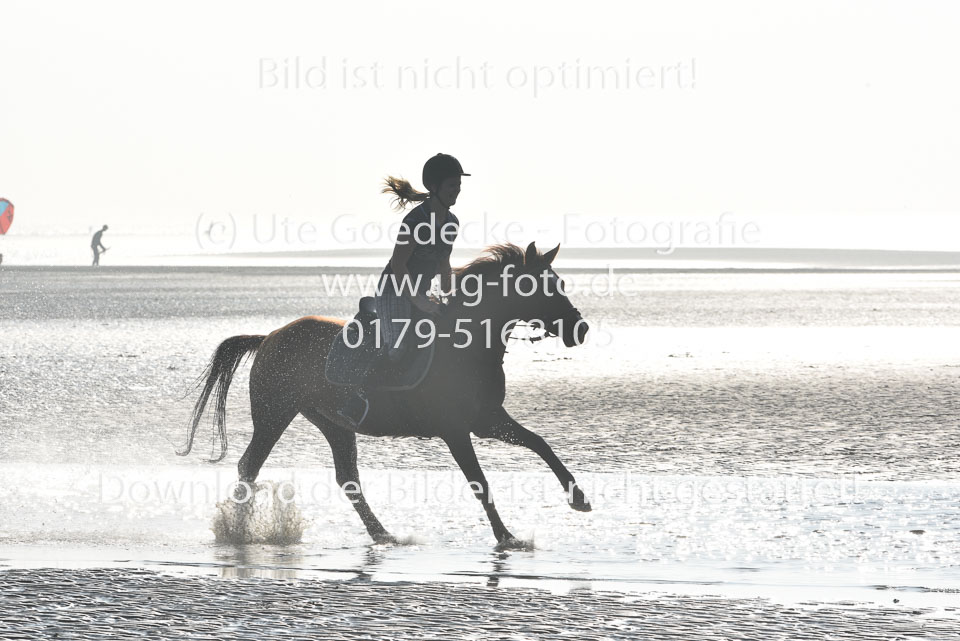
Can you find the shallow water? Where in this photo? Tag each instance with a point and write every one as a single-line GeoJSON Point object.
{"type": "Point", "coordinates": [791, 436]}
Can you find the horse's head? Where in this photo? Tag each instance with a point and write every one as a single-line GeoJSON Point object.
{"type": "Point", "coordinates": [524, 286]}
{"type": "Point", "coordinates": [549, 304]}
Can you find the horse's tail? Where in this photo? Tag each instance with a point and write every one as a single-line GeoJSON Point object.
{"type": "Point", "coordinates": [219, 373]}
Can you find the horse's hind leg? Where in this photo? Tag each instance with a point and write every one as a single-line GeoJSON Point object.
{"type": "Point", "coordinates": [463, 452]}
{"type": "Point", "coordinates": [503, 427]}
{"type": "Point", "coordinates": [343, 444]}
{"type": "Point", "coordinates": [269, 422]}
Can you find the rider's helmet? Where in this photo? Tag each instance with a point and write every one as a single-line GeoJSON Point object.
{"type": "Point", "coordinates": [439, 168]}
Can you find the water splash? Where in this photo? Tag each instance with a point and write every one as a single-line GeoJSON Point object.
{"type": "Point", "coordinates": [259, 513]}
{"type": "Point", "coordinates": [516, 545]}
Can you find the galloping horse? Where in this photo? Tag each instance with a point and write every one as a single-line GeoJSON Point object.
{"type": "Point", "coordinates": [462, 393]}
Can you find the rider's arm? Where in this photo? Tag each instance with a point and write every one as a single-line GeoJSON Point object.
{"type": "Point", "coordinates": [398, 264]}
{"type": "Point", "coordinates": [402, 252]}
{"type": "Point", "coordinates": [446, 277]}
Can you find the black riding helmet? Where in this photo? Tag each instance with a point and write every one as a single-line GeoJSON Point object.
{"type": "Point", "coordinates": [439, 168]}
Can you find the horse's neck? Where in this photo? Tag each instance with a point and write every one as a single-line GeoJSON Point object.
{"type": "Point", "coordinates": [487, 320]}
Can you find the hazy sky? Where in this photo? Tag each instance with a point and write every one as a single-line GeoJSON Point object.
{"type": "Point", "coordinates": [797, 115]}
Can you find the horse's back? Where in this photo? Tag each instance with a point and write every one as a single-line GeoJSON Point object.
{"type": "Point", "coordinates": [300, 347]}
{"type": "Point", "coordinates": [309, 333]}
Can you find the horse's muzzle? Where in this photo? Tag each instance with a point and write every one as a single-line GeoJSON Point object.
{"type": "Point", "coordinates": [572, 327]}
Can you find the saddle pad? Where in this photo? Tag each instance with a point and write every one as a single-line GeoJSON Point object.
{"type": "Point", "coordinates": [349, 365]}
{"type": "Point", "coordinates": [407, 374]}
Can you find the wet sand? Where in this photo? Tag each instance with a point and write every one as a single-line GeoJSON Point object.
{"type": "Point", "coordinates": [720, 378]}
{"type": "Point", "coordinates": [812, 374]}
{"type": "Point", "coordinates": [133, 604]}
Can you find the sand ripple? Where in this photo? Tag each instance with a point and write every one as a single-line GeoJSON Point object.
{"type": "Point", "coordinates": [124, 604]}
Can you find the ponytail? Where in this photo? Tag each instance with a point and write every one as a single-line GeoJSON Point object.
{"type": "Point", "coordinates": [403, 192]}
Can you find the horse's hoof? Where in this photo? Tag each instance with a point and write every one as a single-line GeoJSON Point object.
{"type": "Point", "coordinates": [578, 501]}
{"type": "Point", "coordinates": [513, 543]}
{"type": "Point", "coordinates": [385, 539]}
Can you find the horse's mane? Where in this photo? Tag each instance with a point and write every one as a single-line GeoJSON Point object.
{"type": "Point", "coordinates": [489, 266]}
{"type": "Point", "coordinates": [493, 259]}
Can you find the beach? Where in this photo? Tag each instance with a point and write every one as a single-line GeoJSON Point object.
{"type": "Point", "coordinates": [769, 454]}
{"type": "Point", "coordinates": [717, 247]}
{"type": "Point", "coordinates": [83, 604]}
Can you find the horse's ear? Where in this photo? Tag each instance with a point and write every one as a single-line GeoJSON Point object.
{"type": "Point", "coordinates": [550, 255]}
{"type": "Point", "coordinates": [531, 254]}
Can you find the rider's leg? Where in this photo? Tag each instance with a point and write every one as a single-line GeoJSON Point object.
{"type": "Point", "coordinates": [393, 311]}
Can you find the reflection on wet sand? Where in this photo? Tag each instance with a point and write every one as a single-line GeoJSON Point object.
{"type": "Point", "coordinates": [259, 562]}
{"type": "Point", "coordinates": [372, 559]}
{"type": "Point", "coordinates": [290, 562]}
{"type": "Point", "coordinates": [500, 568]}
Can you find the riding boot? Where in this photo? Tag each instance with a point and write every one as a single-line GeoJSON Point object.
{"type": "Point", "coordinates": [356, 408]}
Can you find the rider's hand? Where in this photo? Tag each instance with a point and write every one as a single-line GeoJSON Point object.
{"type": "Point", "coordinates": [427, 306]}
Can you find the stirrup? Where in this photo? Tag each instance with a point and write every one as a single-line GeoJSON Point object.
{"type": "Point", "coordinates": [355, 410]}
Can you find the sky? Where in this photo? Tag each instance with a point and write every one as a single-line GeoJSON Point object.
{"type": "Point", "coordinates": [806, 124]}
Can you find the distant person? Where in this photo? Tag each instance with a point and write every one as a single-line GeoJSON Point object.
{"type": "Point", "coordinates": [97, 246]}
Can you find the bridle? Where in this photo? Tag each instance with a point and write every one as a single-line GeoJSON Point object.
{"type": "Point", "coordinates": [572, 316]}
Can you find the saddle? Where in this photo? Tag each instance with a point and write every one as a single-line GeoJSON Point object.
{"type": "Point", "coordinates": [354, 355]}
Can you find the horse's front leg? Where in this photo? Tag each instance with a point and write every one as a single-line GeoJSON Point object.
{"type": "Point", "coordinates": [462, 449]}
{"type": "Point", "coordinates": [503, 427]}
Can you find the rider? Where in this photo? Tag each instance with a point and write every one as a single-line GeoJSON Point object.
{"type": "Point", "coordinates": [422, 251]}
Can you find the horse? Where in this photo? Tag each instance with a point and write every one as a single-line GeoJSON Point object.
{"type": "Point", "coordinates": [461, 393]}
